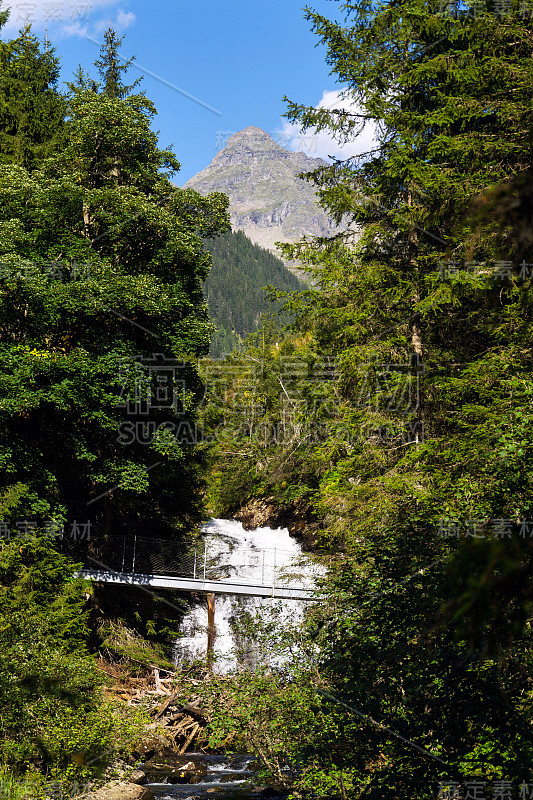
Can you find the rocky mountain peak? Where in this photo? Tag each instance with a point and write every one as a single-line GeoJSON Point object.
{"type": "Point", "coordinates": [251, 133]}
{"type": "Point", "coordinates": [268, 201]}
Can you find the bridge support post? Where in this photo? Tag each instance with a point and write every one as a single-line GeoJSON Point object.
{"type": "Point", "coordinates": [211, 631]}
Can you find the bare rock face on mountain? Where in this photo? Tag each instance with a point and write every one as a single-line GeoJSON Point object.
{"type": "Point", "coordinates": [267, 199]}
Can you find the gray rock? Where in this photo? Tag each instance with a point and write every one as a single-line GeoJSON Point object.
{"type": "Point", "coordinates": [138, 776]}
{"type": "Point", "coordinates": [122, 791]}
{"type": "Point", "coordinates": [151, 746]}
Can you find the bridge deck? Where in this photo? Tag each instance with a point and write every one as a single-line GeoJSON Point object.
{"type": "Point", "coordinates": [224, 586]}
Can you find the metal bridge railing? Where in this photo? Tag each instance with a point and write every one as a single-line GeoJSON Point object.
{"type": "Point", "coordinates": [205, 561]}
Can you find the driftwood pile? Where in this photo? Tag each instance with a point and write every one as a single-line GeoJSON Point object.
{"type": "Point", "coordinates": [135, 690]}
{"type": "Point", "coordinates": [183, 723]}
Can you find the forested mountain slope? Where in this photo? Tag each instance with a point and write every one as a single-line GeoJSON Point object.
{"type": "Point", "coordinates": [234, 288]}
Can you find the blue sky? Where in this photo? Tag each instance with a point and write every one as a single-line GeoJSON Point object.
{"type": "Point", "coordinates": [239, 57]}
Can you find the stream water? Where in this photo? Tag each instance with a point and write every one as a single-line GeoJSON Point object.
{"type": "Point", "coordinates": [225, 777]}
{"type": "Point", "coordinates": [263, 556]}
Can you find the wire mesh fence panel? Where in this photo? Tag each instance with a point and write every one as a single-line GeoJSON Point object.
{"type": "Point", "coordinates": [111, 553]}
{"type": "Point", "coordinates": [147, 556]}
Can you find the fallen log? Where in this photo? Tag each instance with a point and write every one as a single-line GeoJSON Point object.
{"type": "Point", "coordinates": [190, 737]}
{"type": "Point", "coordinates": [185, 726]}
{"type": "Point", "coordinates": [182, 726]}
{"type": "Point", "coordinates": [166, 704]}
{"type": "Point", "coordinates": [193, 711]}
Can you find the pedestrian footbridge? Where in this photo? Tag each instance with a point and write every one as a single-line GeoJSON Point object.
{"type": "Point", "coordinates": [219, 586]}
{"type": "Point", "coordinates": [164, 564]}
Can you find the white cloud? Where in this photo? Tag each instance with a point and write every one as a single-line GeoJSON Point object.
{"type": "Point", "coordinates": [64, 17]}
{"type": "Point", "coordinates": [125, 19]}
{"type": "Point", "coordinates": [122, 21]}
{"type": "Point", "coordinates": [322, 144]}
{"type": "Point", "coordinates": [76, 29]}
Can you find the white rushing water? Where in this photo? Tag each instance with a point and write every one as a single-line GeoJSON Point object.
{"type": "Point", "coordinates": [259, 556]}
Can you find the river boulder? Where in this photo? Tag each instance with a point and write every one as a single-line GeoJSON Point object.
{"type": "Point", "coordinates": [152, 746]}
{"type": "Point", "coordinates": [138, 777]}
{"type": "Point", "coordinates": [175, 769]}
{"type": "Point", "coordinates": [122, 791]}
{"type": "Point", "coordinates": [182, 774]}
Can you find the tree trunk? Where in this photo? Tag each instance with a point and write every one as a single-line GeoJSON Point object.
{"type": "Point", "coordinates": [416, 334]}
{"type": "Point", "coordinates": [86, 221]}
{"type": "Point", "coordinates": [211, 630]}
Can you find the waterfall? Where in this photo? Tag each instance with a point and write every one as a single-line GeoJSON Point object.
{"type": "Point", "coordinates": [260, 556]}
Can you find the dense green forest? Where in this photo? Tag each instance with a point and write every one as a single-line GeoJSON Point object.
{"type": "Point", "coordinates": [395, 412]}
{"type": "Point", "coordinates": [101, 293]}
{"type": "Point", "coordinates": [398, 411]}
{"type": "Point", "coordinates": [234, 288]}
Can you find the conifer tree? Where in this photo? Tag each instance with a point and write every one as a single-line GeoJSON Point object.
{"type": "Point", "coordinates": [31, 106]}
{"type": "Point", "coordinates": [112, 67]}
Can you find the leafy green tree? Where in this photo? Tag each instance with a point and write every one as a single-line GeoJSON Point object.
{"type": "Point", "coordinates": [103, 269]}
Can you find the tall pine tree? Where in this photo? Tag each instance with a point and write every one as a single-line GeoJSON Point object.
{"type": "Point", "coordinates": [112, 67]}
{"type": "Point", "coordinates": [31, 107]}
